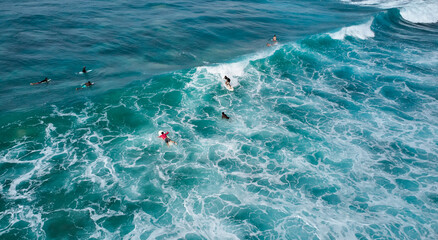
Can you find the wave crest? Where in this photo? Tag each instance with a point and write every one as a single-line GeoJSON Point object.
{"type": "Point", "coordinates": [421, 13]}
{"type": "Point", "coordinates": [385, 4]}
{"type": "Point", "coordinates": [362, 31]}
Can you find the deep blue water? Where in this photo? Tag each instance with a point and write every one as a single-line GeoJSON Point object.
{"type": "Point", "coordinates": [332, 132]}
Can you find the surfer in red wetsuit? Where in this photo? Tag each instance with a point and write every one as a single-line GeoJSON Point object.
{"type": "Point", "coordinates": [166, 138]}
{"type": "Point", "coordinates": [274, 41]}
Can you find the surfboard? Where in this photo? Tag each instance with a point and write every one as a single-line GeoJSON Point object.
{"type": "Point", "coordinates": [161, 133]}
{"type": "Point", "coordinates": [84, 86]}
{"type": "Point", "coordinates": [229, 87]}
{"type": "Point", "coordinates": [48, 80]}
{"type": "Point", "coordinates": [86, 72]}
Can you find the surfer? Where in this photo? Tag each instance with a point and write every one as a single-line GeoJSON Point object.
{"type": "Point", "coordinates": [227, 81]}
{"type": "Point", "coordinates": [45, 80]}
{"type": "Point", "coordinates": [273, 40]}
{"type": "Point", "coordinates": [84, 70]}
{"type": "Point", "coordinates": [228, 84]}
{"type": "Point", "coordinates": [87, 84]}
{"type": "Point", "coordinates": [225, 116]}
{"type": "Point", "coordinates": [166, 138]}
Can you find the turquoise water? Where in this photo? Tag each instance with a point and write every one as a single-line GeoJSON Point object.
{"type": "Point", "coordinates": [332, 132]}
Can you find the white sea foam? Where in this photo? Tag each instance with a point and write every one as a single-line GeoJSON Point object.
{"type": "Point", "coordinates": [236, 69]}
{"type": "Point", "coordinates": [421, 13]}
{"type": "Point", "coordinates": [80, 118]}
{"type": "Point", "coordinates": [362, 31]}
{"type": "Point", "coordinates": [208, 225]}
{"type": "Point", "coordinates": [27, 214]}
{"type": "Point", "coordinates": [201, 211]}
{"type": "Point", "coordinates": [379, 3]}
{"type": "Point", "coordinates": [40, 166]}
{"type": "Point", "coordinates": [102, 161]}
{"type": "Point", "coordinates": [141, 226]}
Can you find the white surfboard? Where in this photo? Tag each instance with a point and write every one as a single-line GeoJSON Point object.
{"type": "Point", "coordinates": [229, 87]}
{"type": "Point", "coordinates": [161, 133]}
{"type": "Point", "coordinates": [48, 80]}
{"type": "Point", "coordinates": [86, 72]}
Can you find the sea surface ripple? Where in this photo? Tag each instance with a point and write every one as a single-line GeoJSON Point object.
{"type": "Point", "coordinates": [332, 132]}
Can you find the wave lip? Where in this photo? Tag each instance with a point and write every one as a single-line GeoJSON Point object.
{"type": "Point", "coordinates": [420, 13]}
{"type": "Point", "coordinates": [235, 69]}
{"type": "Point", "coordinates": [362, 31]}
{"type": "Point", "coordinates": [384, 4]}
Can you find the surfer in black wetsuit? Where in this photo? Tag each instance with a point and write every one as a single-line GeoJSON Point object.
{"type": "Point", "coordinates": [225, 116]}
{"type": "Point", "coordinates": [45, 80]}
{"type": "Point", "coordinates": [84, 70]}
{"type": "Point", "coordinates": [227, 81]}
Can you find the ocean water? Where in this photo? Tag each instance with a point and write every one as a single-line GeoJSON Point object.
{"type": "Point", "coordinates": [332, 132]}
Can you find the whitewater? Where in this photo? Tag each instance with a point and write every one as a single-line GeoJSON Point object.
{"type": "Point", "coordinates": [332, 132]}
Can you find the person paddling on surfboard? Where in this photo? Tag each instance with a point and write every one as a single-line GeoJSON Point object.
{"type": "Point", "coordinates": [87, 84]}
{"type": "Point", "coordinates": [166, 139]}
{"type": "Point", "coordinates": [45, 80]}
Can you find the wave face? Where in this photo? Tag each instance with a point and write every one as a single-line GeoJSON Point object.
{"type": "Point", "coordinates": [331, 136]}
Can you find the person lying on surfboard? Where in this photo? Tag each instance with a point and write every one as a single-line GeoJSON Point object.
{"type": "Point", "coordinates": [227, 81]}
{"type": "Point", "coordinates": [166, 138]}
{"type": "Point", "coordinates": [87, 84]}
{"type": "Point", "coordinates": [45, 80]}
